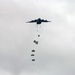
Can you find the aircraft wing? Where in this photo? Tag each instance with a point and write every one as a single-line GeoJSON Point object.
{"type": "Point", "coordinates": [45, 21]}
{"type": "Point", "coordinates": [32, 21]}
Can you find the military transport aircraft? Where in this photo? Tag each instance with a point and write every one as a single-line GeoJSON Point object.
{"type": "Point", "coordinates": [38, 21]}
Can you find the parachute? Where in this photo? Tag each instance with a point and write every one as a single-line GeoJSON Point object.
{"type": "Point", "coordinates": [33, 50]}
{"type": "Point", "coordinates": [32, 55]}
{"type": "Point", "coordinates": [36, 42]}
{"type": "Point", "coordinates": [33, 59]}
{"type": "Point", "coordinates": [38, 35]}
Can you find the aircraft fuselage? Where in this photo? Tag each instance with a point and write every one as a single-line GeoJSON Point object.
{"type": "Point", "coordinates": [39, 21]}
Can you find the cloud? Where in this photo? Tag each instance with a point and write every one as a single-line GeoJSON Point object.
{"type": "Point", "coordinates": [3, 72]}
{"type": "Point", "coordinates": [55, 51]}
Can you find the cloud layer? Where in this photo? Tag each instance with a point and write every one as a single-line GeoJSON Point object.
{"type": "Point", "coordinates": [55, 54]}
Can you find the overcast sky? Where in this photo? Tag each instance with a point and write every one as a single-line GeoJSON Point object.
{"type": "Point", "coordinates": [55, 53]}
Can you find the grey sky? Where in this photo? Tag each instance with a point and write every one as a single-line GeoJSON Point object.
{"type": "Point", "coordinates": [55, 54]}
